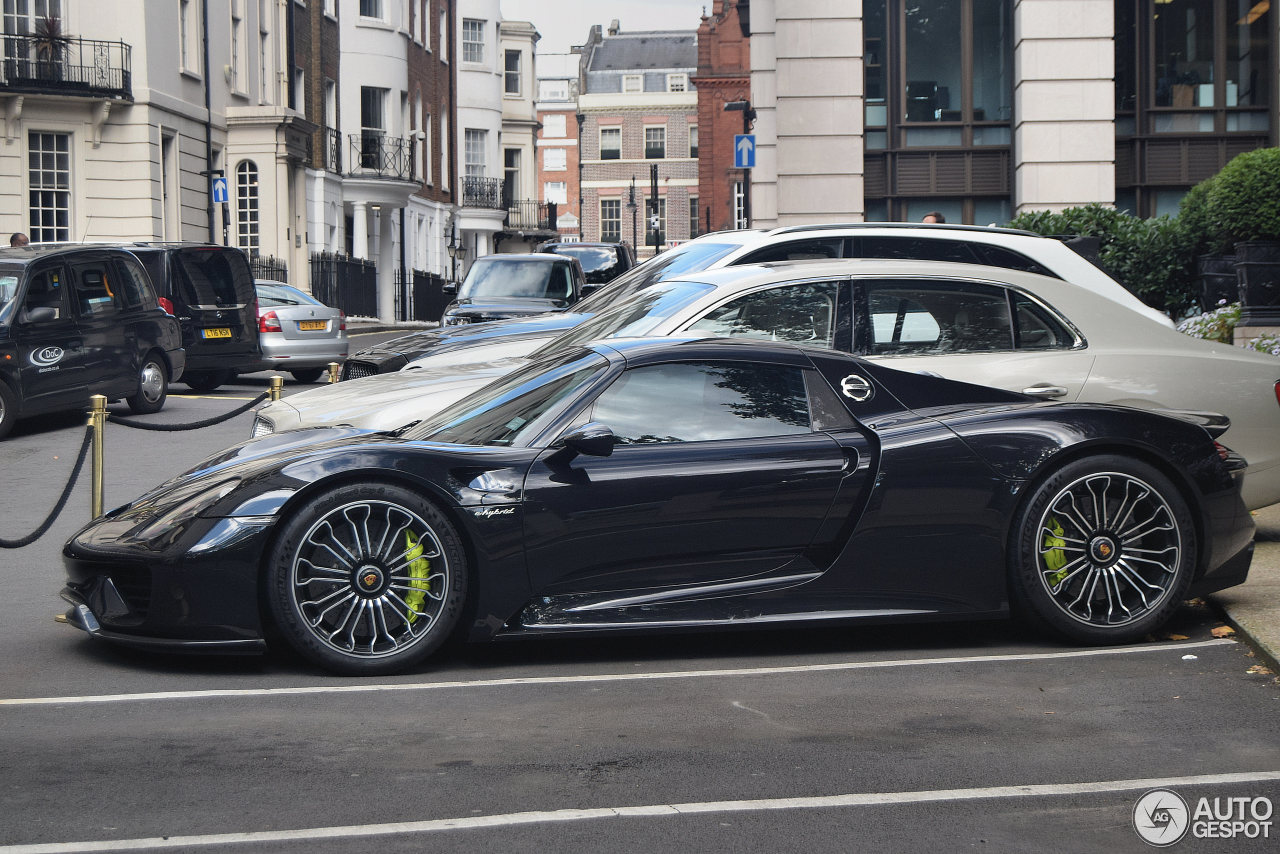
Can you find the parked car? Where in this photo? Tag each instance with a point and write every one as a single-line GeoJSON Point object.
{"type": "Point", "coordinates": [601, 262]}
{"type": "Point", "coordinates": [635, 485]}
{"type": "Point", "coordinates": [502, 286]}
{"type": "Point", "coordinates": [298, 333]}
{"type": "Point", "coordinates": [997, 247]}
{"type": "Point", "coordinates": [1024, 332]}
{"type": "Point", "coordinates": [209, 288]}
{"type": "Point", "coordinates": [77, 321]}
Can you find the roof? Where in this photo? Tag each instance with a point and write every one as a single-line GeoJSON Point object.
{"type": "Point", "coordinates": [637, 51]}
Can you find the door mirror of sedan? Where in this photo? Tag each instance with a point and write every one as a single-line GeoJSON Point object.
{"type": "Point", "coordinates": [449, 287]}
{"type": "Point", "coordinates": [592, 440]}
{"type": "Point", "coordinates": [39, 314]}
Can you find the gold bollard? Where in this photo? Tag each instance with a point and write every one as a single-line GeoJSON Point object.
{"type": "Point", "coordinates": [277, 383]}
{"type": "Point", "coordinates": [97, 420]}
{"type": "Point", "coordinates": [334, 367]}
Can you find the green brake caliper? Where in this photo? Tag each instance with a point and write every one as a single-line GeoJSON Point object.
{"type": "Point", "coordinates": [419, 570]}
{"type": "Point", "coordinates": [1054, 557]}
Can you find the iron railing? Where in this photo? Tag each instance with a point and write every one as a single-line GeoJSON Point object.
{"type": "Point", "coordinates": [482, 193]}
{"type": "Point", "coordinates": [269, 267]}
{"type": "Point", "coordinates": [66, 66]}
{"type": "Point", "coordinates": [385, 156]}
{"type": "Point", "coordinates": [350, 284]}
{"type": "Point", "coordinates": [530, 215]}
{"type": "Point", "coordinates": [424, 297]}
{"type": "Point", "coordinates": [331, 156]}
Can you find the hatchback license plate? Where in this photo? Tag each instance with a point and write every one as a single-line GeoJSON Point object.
{"type": "Point", "coordinates": [221, 332]}
{"type": "Point", "coordinates": [308, 325]}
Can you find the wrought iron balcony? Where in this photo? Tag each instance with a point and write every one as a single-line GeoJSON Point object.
{"type": "Point", "coordinates": [531, 215]}
{"type": "Point", "coordinates": [66, 66]}
{"type": "Point", "coordinates": [331, 153]}
{"type": "Point", "coordinates": [375, 154]}
{"type": "Point", "coordinates": [482, 193]}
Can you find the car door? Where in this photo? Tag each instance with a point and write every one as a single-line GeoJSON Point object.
{"type": "Point", "coordinates": [974, 332]}
{"type": "Point", "coordinates": [108, 356]}
{"type": "Point", "coordinates": [809, 312]}
{"type": "Point", "coordinates": [50, 348]}
{"type": "Point", "coordinates": [718, 475]}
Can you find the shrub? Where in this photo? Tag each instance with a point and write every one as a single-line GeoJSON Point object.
{"type": "Point", "coordinates": [1243, 200]}
{"type": "Point", "coordinates": [1220, 325]}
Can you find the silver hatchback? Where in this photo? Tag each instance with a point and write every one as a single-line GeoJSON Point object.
{"type": "Point", "coordinates": [299, 334]}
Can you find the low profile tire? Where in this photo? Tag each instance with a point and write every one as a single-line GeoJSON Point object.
{"type": "Point", "coordinates": [8, 410]}
{"type": "Point", "coordinates": [307, 375]}
{"type": "Point", "coordinates": [366, 579]}
{"type": "Point", "coordinates": [153, 386]}
{"type": "Point", "coordinates": [1103, 551]}
{"type": "Point", "coordinates": [203, 381]}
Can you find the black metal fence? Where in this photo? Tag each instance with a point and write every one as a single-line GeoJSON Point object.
{"type": "Point", "coordinates": [69, 66]}
{"type": "Point", "coordinates": [424, 299]}
{"type": "Point", "coordinates": [269, 267]}
{"type": "Point", "coordinates": [350, 284]}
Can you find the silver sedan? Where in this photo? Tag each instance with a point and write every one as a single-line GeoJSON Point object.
{"type": "Point", "coordinates": [299, 334]}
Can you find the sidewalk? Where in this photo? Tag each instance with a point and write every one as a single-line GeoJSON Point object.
{"type": "Point", "coordinates": [366, 325]}
{"type": "Point", "coordinates": [1254, 607]}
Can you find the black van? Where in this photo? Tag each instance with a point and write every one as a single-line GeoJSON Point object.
{"type": "Point", "coordinates": [209, 288]}
{"type": "Point", "coordinates": [81, 320]}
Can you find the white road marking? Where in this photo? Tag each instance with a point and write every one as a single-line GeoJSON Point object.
{"type": "Point", "coordinates": [644, 811]}
{"type": "Point", "coordinates": [602, 677]}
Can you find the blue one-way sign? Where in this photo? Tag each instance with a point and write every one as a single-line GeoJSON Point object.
{"type": "Point", "coordinates": [219, 191]}
{"type": "Point", "coordinates": [744, 151]}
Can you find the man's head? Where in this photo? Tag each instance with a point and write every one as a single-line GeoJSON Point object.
{"type": "Point", "coordinates": [18, 239]}
{"type": "Point", "coordinates": [934, 216]}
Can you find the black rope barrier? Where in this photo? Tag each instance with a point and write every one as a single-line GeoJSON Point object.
{"type": "Point", "coordinates": [194, 425]}
{"type": "Point", "coordinates": [62, 499]}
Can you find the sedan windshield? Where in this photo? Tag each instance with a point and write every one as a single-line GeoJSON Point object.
{"type": "Point", "coordinates": [512, 410]}
{"type": "Point", "coordinates": [633, 317]}
{"type": "Point", "coordinates": [277, 295]}
{"type": "Point", "coordinates": [514, 277]}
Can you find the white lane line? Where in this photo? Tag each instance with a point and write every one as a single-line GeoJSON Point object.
{"type": "Point", "coordinates": [603, 677]}
{"type": "Point", "coordinates": [645, 811]}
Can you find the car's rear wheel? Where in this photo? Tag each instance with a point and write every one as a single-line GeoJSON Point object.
{"type": "Point", "coordinates": [153, 386]}
{"type": "Point", "coordinates": [307, 375]}
{"type": "Point", "coordinates": [203, 381]}
{"type": "Point", "coordinates": [1103, 551]}
{"type": "Point", "coordinates": [8, 409]}
{"type": "Point", "coordinates": [367, 579]}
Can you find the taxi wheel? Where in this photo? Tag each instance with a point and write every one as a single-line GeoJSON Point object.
{"type": "Point", "coordinates": [153, 386]}
{"type": "Point", "coordinates": [307, 375]}
{"type": "Point", "coordinates": [8, 410]}
{"type": "Point", "coordinates": [207, 380]}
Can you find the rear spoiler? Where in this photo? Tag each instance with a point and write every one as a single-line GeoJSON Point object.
{"type": "Point", "coordinates": [1214, 423]}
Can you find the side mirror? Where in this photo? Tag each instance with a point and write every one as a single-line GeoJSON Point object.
{"type": "Point", "coordinates": [40, 314]}
{"type": "Point", "coordinates": [450, 287]}
{"type": "Point", "coordinates": [591, 440]}
{"type": "Point", "coordinates": [591, 287]}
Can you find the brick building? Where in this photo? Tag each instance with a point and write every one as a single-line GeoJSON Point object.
{"type": "Point", "coordinates": [723, 77]}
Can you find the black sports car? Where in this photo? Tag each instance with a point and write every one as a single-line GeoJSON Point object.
{"type": "Point", "coordinates": [666, 484]}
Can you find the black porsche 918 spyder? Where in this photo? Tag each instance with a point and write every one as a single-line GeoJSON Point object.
{"type": "Point", "coordinates": [643, 485]}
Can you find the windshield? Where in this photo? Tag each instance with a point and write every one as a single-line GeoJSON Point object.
{"type": "Point", "coordinates": [515, 407]}
{"type": "Point", "coordinates": [685, 258]}
{"type": "Point", "coordinates": [635, 317]}
{"type": "Point", "coordinates": [209, 277]}
{"type": "Point", "coordinates": [516, 277]}
{"type": "Point", "coordinates": [600, 264]}
{"type": "Point", "coordinates": [9, 278]}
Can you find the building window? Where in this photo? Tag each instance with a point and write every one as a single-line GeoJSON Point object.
{"type": "Point", "coordinates": [237, 46]}
{"type": "Point", "coordinates": [693, 141]}
{"type": "Point", "coordinates": [553, 90]}
{"type": "Point", "coordinates": [472, 40]}
{"type": "Point", "coordinates": [186, 35]}
{"type": "Point", "coordinates": [556, 191]}
{"type": "Point", "coordinates": [511, 174]}
{"type": "Point", "coordinates": [247, 206]}
{"type": "Point", "coordinates": [555, 159]}
{"type": "Point", "coordinates": [693, 216]}
{"type": "Point", "coordinates": [511, 78]}
{"type": "Point", "coordinates": [554, 126]}
{"type": "Point", "coordinates": [371, 9]}
{"type": "Point", "coordinates": [49, 182]}
{"type": "Point", "coordinates": [428, 150]}
{"type": "Point", "coordinates": [373, 125]}
{"type": "Point", "coordinates": [474, 142]}
{"type": "Point", "coordinates": [611, 220]}
{"type": "Point", "coordinates": [739, 206]}
{"type": "Point", "coordinates": [444, 35]}
{"type": "Point", "coordinates": [632, 83]}
{"type": "Point", "coordinates": [677, 82]}
{"type": "Point", "coordinates": [265, 73]}
{"type": "Point", "coordinates": [655, 142]}
{"type": "Point", "coordinates": [610, 143]}
{"type": "Point", "coordinates": [298, 99]}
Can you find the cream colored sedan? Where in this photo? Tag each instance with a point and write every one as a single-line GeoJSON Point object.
{"type": "Point", "coordinates": [1025, 332]}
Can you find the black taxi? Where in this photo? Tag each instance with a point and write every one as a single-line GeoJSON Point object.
{"type": "Point", "coordinates": [77, 321]}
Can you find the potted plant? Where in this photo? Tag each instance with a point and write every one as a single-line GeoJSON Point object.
{"type": "Point", "coordinates": [51, 47]}
{"type": "Point", "coordinates": [1214, 270]}
{"type": "Point", "coordinates": [1244, 205]}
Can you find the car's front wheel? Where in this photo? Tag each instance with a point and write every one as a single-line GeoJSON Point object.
{"type": "Point", "coordinates": [8, 409]}
{"type": "Point", "coordinates": [1103, 552]}
{"type": "Point", "coordinates": [153, 386]}
{"type": "Point", "coordinates": [367, 579]}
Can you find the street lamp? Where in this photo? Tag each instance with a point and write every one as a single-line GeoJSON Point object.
{"type": "Point", "coordinates": [631, 206]}
{"type": "Point", "coordinates": [748, 116]}
{"type": "Point", "coordinates": [455, 250]}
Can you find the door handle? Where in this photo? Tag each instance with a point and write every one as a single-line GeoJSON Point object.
{"type": "Point", "coordinates": [1046, 391]}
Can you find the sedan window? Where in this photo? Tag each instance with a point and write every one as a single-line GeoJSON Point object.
{"type": "Point", "coordinates": [699, 402]}
{"type": "Point", "coordinates": [802, 313]}
{"type": "Point", "coordinates": [938, 317]}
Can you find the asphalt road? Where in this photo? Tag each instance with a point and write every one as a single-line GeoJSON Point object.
{"type": "Point", "coordinates": [894, 738]}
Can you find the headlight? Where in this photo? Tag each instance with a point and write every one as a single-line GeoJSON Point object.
{"type": "Point", "coordinates": [262, 426]}
{"type": "Point", "coordinates": [456, 320]}
{"type": "Point", "coordinates": [188, 502]}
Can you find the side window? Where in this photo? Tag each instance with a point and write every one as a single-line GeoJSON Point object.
{"type": "Point", "coordinates": [803, 313]}
{"type": "Point", "coordinates": [95, 285]}
{"type": "Point", "coordinates": [700, 402]}
{"type": "Point", "coordinates": [1037, 328]}
{"type": "Point", "coordinates": [797, 250]}
{"type": "Point", "coordinates": [916, 249]}
{"type": "Point", "coordinates": [560, 285]}
{"type": "Point", "coordinates": [998, 256]}
{"type": "Point", "coordinates": [931, 317]}
{"type": "Point", "coordinates": [133, 288]}
{"type": "Point", "coordinates": [47, 288]}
